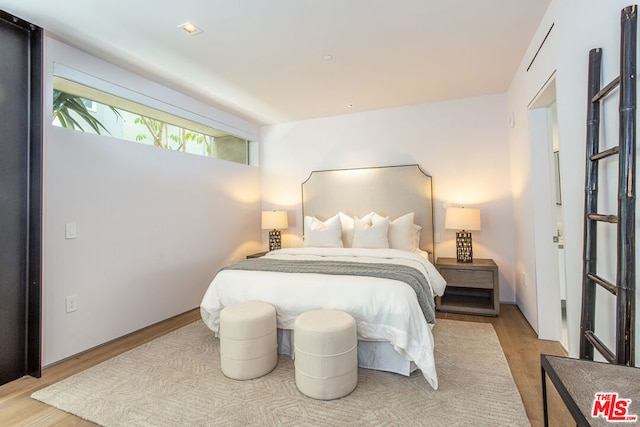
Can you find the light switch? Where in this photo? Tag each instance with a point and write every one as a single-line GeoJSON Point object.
{"type": "Point", "coordinates": [70, 230]}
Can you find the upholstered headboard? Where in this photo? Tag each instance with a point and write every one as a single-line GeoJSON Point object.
{"type": "Point", "coordinates": [389, 190]}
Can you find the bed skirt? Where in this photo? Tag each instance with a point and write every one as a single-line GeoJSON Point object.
{"type": "Point", "coordinates": [378, 355]}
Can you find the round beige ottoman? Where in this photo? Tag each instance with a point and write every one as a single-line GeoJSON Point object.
{"type": "Point", "coordinates": [325, 354]}
{"type": "Point", "coordinates": [248, 340]}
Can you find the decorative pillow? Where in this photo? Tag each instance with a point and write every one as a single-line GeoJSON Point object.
{"type": "Point", "coordinates": [401, 231]}
{"type": "Point", "coordinates": [415, 238]}
{"type": "Point", "coordinates": [347, 224]}
{"type": "Point", "coordinates": [325, 234]}
{"type": "Point", "coordinates": [373, 236]}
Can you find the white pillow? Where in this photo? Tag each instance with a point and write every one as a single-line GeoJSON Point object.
{"type": "Point", "coordinates": [368, 217]}
{"type": "Point", "coordinates": [415, 239]}
{"type": "Point", "coordinates": [327, 234]}
{"type": "Point", "coordinates": [347, 224]}
{"type": "Point", "coordinates": [372, 236]}
{"type": "Point", "coordinates": [401, 231]}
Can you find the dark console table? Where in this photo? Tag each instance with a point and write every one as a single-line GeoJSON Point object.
{"type": "Point", "coordinates": [577, 381]}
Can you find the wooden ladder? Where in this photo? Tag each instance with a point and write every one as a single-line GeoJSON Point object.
{"type": "Point", "coordinates": [624, 288]}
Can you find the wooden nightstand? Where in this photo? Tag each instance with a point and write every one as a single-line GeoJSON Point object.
{"type": "Point", "coordinates": [257, 254]}
{"type": "Point", "coordinates": [472, 288]}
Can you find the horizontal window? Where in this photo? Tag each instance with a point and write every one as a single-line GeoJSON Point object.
{"type": "Point", "coordinates": [87, 109]}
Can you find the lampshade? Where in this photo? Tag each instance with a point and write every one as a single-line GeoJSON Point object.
{"type": "Point", "coordinates": [274, 220]}
{"type": "Point", "coordinates": [462, 219]}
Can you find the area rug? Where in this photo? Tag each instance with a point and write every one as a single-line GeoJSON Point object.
{"type": "Point", "coordinates": [175, 380]}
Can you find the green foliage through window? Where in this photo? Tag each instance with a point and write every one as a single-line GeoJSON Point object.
{"type": "Point", "coordinates": [68, 109]}
{"type": "Point", "coordinates": [128, 120]}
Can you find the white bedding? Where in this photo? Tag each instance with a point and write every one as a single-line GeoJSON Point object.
{"type": "Point", "coordinates": [384, 310]}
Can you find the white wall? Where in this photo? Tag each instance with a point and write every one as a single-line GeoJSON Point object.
{"type": "Point", "coordinates": [580, 25]}
{"type": "Point", "coordinates": [462, 144]}
{"type": "Point", "coordinates": [153, 225]}
{"type": "Point", "coordinates": [525, 184]}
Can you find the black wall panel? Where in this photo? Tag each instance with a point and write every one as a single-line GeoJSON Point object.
{"type": "Point", "coordinates": [20, 197]}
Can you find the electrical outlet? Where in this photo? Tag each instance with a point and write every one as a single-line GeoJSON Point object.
{"type": "Point", "coordinates": [524, 280]}
{"type": "Point", "coordinates": [71, 303]}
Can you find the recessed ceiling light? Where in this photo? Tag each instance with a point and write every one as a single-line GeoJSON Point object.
{"type": "Point", "coordinates": [190, 28]}
{"type": "Point", "coordinates": [327, 57]}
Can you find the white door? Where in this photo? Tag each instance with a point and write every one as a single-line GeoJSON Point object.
{"type": "Point", "coordinates": [548, 222]}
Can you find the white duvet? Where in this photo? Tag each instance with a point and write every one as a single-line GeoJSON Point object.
{"type": "Point", "coordinates": [384, 310]}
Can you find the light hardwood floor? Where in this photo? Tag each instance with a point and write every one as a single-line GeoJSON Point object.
{"type": "Point", "coordinates": [519, 343]}
{"type": "Point", "coordinates": [522, 348]}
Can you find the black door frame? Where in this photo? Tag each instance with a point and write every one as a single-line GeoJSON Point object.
{"type": "Point", "coordinates": [33, 285]}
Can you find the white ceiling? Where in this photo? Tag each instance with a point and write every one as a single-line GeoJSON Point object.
{"type": "Point", "coordinates": [263, 59]}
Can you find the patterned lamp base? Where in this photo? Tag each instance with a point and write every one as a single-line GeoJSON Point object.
{"type": "Point", "coordinates": [464, 252]}
{"type": "Point", "coordinates": [275, 241]}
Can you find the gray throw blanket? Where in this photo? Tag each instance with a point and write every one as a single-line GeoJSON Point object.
{"type": "Point", "coordinates": [403, 273]}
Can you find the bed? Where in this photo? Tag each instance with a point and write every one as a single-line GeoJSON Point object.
{"type": "Point", "coordinates": [368, 250]}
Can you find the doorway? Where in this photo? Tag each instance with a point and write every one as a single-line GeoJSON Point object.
{"type": "Point", "coordinates": [20, 197]}
{"type": "Point", "coordinates": [548, 216]}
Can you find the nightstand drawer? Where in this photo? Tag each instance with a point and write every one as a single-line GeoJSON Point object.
{"type": "Point", "coordinates": [468, 278]}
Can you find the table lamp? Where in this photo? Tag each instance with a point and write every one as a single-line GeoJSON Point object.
{"type": "Point", "coordinates": [274, 221]}
{"type": "Point", "coordinates": [463, 220]}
